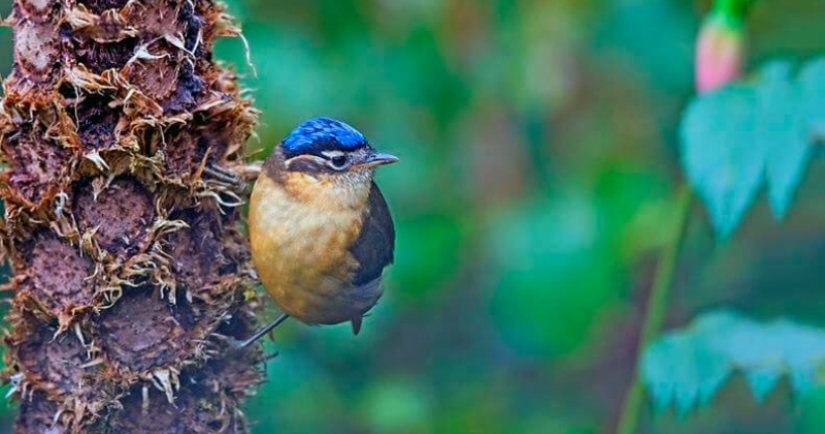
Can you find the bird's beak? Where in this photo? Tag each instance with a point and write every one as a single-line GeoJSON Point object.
{"type": "Point", "coordinates": [376, 158]}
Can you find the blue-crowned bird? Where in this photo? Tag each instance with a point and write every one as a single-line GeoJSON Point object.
{"type": "Point", "coordinates": [319, 227]}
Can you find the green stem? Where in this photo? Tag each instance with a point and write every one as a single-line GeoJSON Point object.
{"type": "Point", "coordinates": [733, 9]}
{"type": "Point", "coordinates": [655, 311]}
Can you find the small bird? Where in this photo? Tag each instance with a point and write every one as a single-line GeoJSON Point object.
{"type": "Point", "coordinates": [319, 227]}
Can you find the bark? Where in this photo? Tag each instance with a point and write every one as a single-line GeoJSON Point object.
{"type": "Point", "coordinates": [123, 143]}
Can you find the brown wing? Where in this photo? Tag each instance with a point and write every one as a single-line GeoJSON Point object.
{"type": "Point", "coordinates": [374, 247]}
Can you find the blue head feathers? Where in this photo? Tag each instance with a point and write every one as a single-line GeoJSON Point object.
{"type": "Point", "coordinates": [322, 134]}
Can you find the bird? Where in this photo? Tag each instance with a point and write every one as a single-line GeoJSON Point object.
{"type": "Point", "coordinates": [320, 230]}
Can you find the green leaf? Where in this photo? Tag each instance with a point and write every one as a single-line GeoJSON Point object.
{"type": "Point", "coordinates": [721, 154]}
{"type": "Point", "coordinates": [686, 368]}
{"type": "Point", "coordinates": [813, 84]}
{"type": "Point", "coordinates": [791, 114]}
{"type": "Point", "coordinates": [782, 133]}
{"type": "Point", "coordinates": [762, 381]}
{"type": "Point", "coordinates": [747, 132]}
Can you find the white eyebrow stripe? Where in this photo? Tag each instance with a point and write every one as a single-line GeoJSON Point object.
{"type": "Point", "coordinates": [288, 163]}
{"type": "Point", "coordinates": [333, 154]}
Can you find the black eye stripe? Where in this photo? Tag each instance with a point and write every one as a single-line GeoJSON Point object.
{"type": "Point", "coordinates": [306, 165]}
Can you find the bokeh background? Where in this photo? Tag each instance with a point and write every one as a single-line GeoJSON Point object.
{"type": "Point", "coordinates": [538, 144]}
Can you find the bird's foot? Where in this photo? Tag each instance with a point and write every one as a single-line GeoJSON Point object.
{"type": "Point", "coordinates": [228, 342]}
{"type": "Point", "coordinates": [238, 183]}
{"type": "Point", "coordinates": [261, 333]}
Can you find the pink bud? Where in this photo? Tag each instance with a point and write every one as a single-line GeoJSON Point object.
{"type": "Point", "coordinates": [719, 53]}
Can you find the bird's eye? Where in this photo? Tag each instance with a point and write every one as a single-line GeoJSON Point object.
{"type": "Point", "coordinates": [339, 161]}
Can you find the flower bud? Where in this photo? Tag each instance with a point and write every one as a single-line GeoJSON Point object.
{"type": "Point", "coordinates": [720, 50]}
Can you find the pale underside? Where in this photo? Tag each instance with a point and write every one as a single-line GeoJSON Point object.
{"type": "Point", "coordinates": [300, 235]}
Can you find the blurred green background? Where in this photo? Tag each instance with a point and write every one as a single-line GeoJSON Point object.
{"type": "Point", "coordinates": [538, 167]}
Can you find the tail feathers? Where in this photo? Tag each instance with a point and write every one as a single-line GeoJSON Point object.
{"type": "Point", "coordinates": [356, 325]}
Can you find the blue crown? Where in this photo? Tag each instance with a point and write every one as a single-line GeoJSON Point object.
{"type": "Point", "coordinates": [323, 134]}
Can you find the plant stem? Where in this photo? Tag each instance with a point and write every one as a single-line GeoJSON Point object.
{"type": "Point", "coordinates": [655, 311]}
{"type": "Point", "coordinates": [737, 9]}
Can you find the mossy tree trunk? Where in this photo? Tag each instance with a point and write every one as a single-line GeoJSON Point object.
{"type": "Point", "coordinates": [123, 141]}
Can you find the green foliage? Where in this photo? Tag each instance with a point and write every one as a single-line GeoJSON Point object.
{"type": "Point", "coordinates": [396, 406]}
{"type": "Point", "coordinates": [559, 241]}
{"type": "Point", "coordinates": [687, 367]}
{"type": "Point", "coordinates": [719, 156]}
{"type": "Point", "coordinates": [750, 131]}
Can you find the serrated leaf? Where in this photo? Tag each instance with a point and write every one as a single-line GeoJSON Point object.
{"type": "Point", "coordinates": [747, 132]}
{"type": "Point", "coordinates": [798, 113]}
{"type": "Point", "coordinates": [783, 133]}
{"type": "Point", "coordinates": [721, 154]}
{"type": "Point", "coordinates": [686, 368]}
{"type": "Point", "coordinates": [812, 81]}
{"type": "Point", "coordinates": [812, 89]}
{"type": "Point", "coordinates": [762, 380]}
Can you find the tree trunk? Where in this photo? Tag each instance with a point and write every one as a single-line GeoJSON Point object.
{"type": "Point", "coordinates": [123, 141]}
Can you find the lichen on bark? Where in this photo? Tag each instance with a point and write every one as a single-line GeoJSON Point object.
{"type": "Point", "coordinates": [122, 142]}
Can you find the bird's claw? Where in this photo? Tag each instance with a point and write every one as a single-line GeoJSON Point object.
{"type": "Point", "coordinates": [230, 179]}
